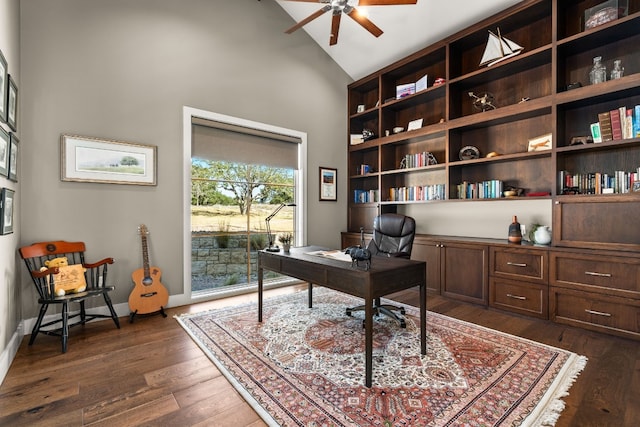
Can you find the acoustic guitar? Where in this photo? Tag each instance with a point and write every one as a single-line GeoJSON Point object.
{"type": "Point", "coordinates": [148, 295]}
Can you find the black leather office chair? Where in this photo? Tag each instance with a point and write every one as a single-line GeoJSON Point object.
{"type": "Point", "coordinates": [392, 237]}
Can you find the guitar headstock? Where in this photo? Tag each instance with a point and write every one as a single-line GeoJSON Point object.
{"type": "Point", "coordinates": [142, 230]}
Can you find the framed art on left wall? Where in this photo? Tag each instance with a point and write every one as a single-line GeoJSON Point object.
{"type": "Point", "coordinates": [4, 75]}
{"type": "Point", "coordinates": [6, 211]}
{"type": "Point", "coordinates": [5, 151]}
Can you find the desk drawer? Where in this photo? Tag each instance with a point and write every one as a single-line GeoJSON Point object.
{"type": "Point", "coordinates": [611, 275]}
{"type": "Point", "coordinates": [519, 297]}
{"type": "Point", "coordinates": [612, 315]}
{"type": "Point", "coordinates": [519, 264]}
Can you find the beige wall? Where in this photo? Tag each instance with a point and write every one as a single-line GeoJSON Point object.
{"type": "Point", "coordinates": [123, 69]}
{"type": "Point", "coordinates": [10, 313]}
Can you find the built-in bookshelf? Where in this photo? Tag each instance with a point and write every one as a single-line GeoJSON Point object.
{"type": "Point", "coordinates": [543, 92]}
{"type": "Point", "coordinates": [538, 142]}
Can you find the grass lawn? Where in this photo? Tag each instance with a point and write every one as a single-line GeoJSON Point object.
{"type": "Point", "coordinates": [218, 218]}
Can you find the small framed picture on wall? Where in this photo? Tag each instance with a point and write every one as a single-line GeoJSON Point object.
{"type": "Point", "coordinates": [13, 158]}
{"type": "Point", "coordinates": [328, 184]}
{"type": "Point", "coordinates": [6, 211]}
{"type": "Point", "coordinates": [12, 105]}
{"type": "Point", "coordinates": [5, 149]}
{"type": "Point", "coordinates": [4, 75]}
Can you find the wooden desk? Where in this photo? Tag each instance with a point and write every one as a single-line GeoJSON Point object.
{"type": "Point", "coordinates": [386, 275]}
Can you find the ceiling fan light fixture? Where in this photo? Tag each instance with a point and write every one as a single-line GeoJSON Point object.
{"type": "Point", "coordinates": [349, 8]}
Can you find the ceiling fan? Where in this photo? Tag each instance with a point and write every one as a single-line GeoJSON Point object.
{"type": "Point", "coordinates": [349, 8]}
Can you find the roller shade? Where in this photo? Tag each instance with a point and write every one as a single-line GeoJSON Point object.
{"type": "Point", "coordinates": [214, 140]}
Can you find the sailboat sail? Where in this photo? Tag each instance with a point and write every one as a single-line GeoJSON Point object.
{"type": "Point", "coordinates": [498, 49]}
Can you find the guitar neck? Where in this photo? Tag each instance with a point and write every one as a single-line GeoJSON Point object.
{"type": "Point", "coordinates": [145, 256]}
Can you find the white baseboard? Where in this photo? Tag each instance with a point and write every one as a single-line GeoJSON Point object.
{"type": "Point", "coordinates": [9, 353]}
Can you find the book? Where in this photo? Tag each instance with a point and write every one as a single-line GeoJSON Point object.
{"type": "Point", "coordinates": [616, 124]}
{"type": "Point", "coordinates": [628, 124]}
{"type": "Point", "coordinates": [595, 132]}
{"type": "Point", "coordinates": [623, 121]}
{"type": "Point", "coordinates": [636, 121]}
{"type": "Point", "coordinates": [605, 126]}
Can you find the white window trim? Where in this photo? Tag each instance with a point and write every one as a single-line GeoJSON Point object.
{"type": "Point", "coordinates": [300, 184]}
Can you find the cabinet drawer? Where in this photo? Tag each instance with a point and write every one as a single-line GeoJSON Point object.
{"type": "Point", "coordinates": [612, 315]}
{"type": "Point", "coordinates": [520, 264]}
{"type": "Point", "coordinates": [611, 275]}
{"type": "Point", "coordinates": [520, 297]}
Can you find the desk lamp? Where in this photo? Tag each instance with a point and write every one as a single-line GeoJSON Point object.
{"type": "Point", "coordinates": [267, 220]}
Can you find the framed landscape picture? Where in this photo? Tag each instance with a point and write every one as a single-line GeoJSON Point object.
{"type": "Point", "coordinates": [87, 159]}
{"type": "Point", "coordinates": [328, 184]}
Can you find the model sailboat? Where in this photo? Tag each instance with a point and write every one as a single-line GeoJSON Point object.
{"type": "Point", "coordinates": [498, 49]}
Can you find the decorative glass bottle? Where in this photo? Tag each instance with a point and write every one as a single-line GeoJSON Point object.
{"type": "Point", "coordinates": [598, 73]}
{"type": "Point", "coordinates": [618, 70]}
{"type": "Point", "coordinates": [515, 232]}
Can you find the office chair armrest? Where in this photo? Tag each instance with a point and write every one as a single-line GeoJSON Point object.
{"type": "Point", "coordinates": [99, 263]}
{"type": "Point", "coordinates": [400, 255]}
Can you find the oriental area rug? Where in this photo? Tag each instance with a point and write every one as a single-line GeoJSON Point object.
{"type": "Point", "coordinates": [305, 367]}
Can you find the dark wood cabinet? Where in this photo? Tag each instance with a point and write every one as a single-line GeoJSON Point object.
{"type": "Point", "coordinates": [456, 267]}
{"type": "Point", "coordinates": [519, 279]}
{"type": "Point", "coordinates": [464, 271]}
{"type": "Point", "coordinates": [429, 251]}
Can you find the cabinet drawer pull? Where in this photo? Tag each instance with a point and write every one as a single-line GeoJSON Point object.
{"type": "Point", "coordinates": [516, 264]}
{"type": "Point", "coordinates": [517, 297]}
{"type": "Point", "coordinates": [593, 273]}
{"type": "Point", "coordinates": [598, 313]}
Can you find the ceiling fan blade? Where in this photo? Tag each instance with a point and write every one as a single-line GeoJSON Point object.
{"type": "Point", "coordinates": [365, 22]}
{"type": "Point", "coordinates": [308, 19]}
{"type": "Point", "coordinates": [335, 29]}
{"type": "Point", "coordinates": [383, 2]}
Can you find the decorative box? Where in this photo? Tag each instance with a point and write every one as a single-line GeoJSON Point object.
{"type": "Point", "coordinates": [605, 12]}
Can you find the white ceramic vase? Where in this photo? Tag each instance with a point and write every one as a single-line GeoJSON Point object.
{"type": "Point", "coordinates": [542, 235]}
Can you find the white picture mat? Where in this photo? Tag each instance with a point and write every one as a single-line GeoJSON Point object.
{"type": "Point", "coordinates": [88, 159]}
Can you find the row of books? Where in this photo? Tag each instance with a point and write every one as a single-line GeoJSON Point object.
{"type": "Point", "coordinates": [364, 169]}
{"type": "Point", "coordinates": [365, 196]}
{"type": "Point", "coordinates": [617, 124]}
{"type": "Point", "coordinates": [418, 160]}
{"type": "Point", "coordinates": [480, 190]}
{"type": "Point", "coordinates": [597, 182]}
{"type": "Point", "coordinates": [417, 193]}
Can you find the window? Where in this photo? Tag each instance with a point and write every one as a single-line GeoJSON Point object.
{"type": "Point", "coordinates": [239, 173]}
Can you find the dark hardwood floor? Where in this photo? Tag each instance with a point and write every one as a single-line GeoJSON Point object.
{"type": "Point", "coordinates": [152, 373]}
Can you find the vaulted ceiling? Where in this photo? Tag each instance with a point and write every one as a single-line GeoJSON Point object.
{"type": "Point", "coordinates": [407, 29]}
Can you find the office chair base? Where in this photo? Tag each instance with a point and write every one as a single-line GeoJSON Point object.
{"type": "Point", "coordinates": [386, 309]}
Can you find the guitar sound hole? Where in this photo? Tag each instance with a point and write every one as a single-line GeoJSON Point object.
{"type": "Point", "coordinates": [147, 281]}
